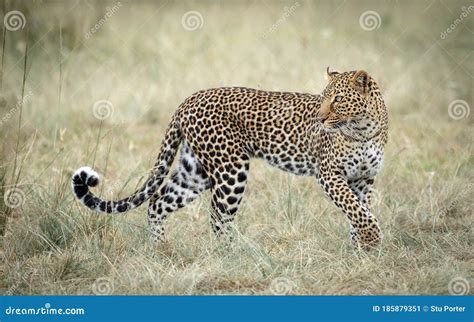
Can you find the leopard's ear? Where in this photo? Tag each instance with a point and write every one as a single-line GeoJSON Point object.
{"type": "Point", "coordinates": [360, 81]}
{"type": "Point", "coordinates": [330, 74]}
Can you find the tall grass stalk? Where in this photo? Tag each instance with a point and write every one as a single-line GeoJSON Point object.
{"type": "Point", "coordinates": [4, 37]}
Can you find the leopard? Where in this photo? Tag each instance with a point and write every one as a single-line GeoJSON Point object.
{"type": "Point", "coordinates": [337, 137]}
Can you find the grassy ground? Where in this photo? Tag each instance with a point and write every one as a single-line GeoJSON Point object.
{"type": "Point", "coordinates": [145, 59]}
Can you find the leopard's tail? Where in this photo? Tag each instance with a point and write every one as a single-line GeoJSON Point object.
{"type": "Point", "coordinates": [85, 177]}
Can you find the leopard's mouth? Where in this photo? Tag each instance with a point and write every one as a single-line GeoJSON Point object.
{"type": "Point", "coordinates": [335, 123]}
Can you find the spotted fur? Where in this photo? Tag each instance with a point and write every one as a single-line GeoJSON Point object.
{"type": "Point", "coordinates": [337, 137]}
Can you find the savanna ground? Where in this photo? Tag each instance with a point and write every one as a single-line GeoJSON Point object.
{"type": "Point", "coordinates": [144, 59]}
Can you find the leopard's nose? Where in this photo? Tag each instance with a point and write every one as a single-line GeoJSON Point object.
{"type": "Point", "coordinates": [321, 116]}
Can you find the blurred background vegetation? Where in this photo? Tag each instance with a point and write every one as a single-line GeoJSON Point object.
{"type": "Point", "coordinates": [145, 58]}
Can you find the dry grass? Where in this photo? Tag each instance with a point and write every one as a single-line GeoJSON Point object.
{"type": "Point", "coordinates": [144, 62]}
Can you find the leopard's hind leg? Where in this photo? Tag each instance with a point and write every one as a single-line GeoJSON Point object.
{"type": "Point", "coordinates": [185, 184]}
{"type": "Point", "coordinates": [229, 185]}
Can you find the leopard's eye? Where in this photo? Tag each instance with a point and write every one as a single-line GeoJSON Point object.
{"type": "Point", "coordinates": [338, 98]}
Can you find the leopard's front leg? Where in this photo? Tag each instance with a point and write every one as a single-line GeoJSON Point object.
{"type": "Point", "coordinates": [365, 230]}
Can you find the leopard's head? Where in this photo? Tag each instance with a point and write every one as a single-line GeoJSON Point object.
{"type": "Point", "coordinates": [352, 104]}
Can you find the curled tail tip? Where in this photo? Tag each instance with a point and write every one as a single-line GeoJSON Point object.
{"type": "Point", "coordinates": [86, 175]}
{"type": "Point", "coordinates": [82, 179]}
